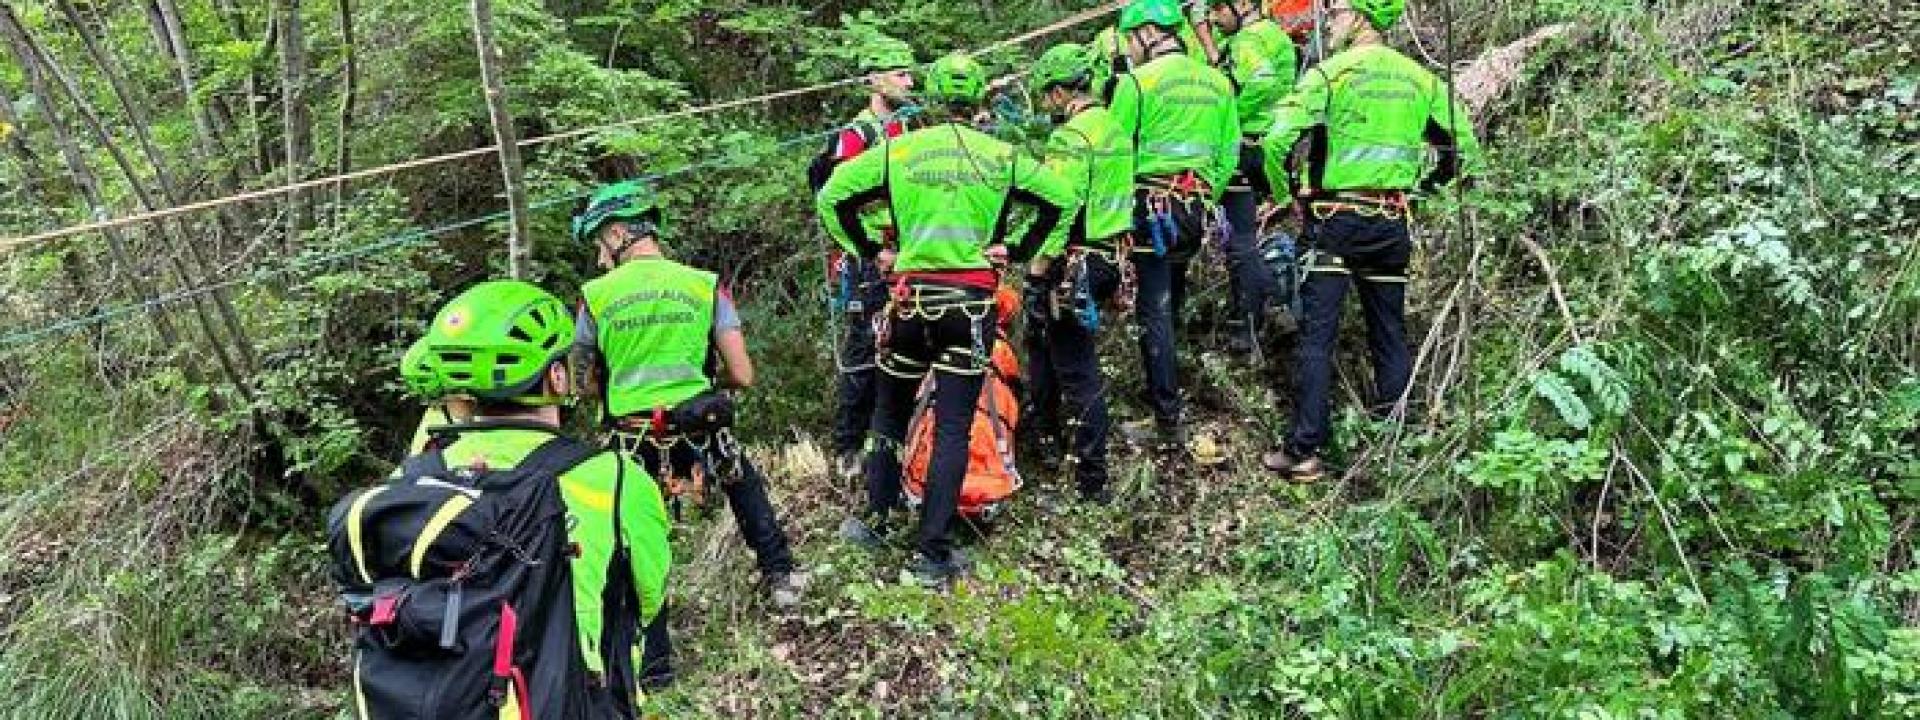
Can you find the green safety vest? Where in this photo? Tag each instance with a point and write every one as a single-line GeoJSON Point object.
{"type": "Point", "coordinates": [1377, 106]}
{"type": "Point", "coordinates": [1181, 114]}
{"type": "Point", "coordinates": [1095, 157]}
{"type": "Point", "coordinates": [655, 321]}
{"type": "Point", "coordinates": [949, 187]}
{"type": "Point", "coordinates": [1262, 62]}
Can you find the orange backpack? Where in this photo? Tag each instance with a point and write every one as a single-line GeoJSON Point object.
{"type": "Point", "coordinates": [992, 476]}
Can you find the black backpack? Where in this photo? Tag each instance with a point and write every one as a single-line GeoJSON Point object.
{"type": "Point", "coordinates": [460, 592]}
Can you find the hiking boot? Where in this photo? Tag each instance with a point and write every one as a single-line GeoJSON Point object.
{"type": "Point", "coordinates": [786, 588]}
{"type": "Point", "coordinates": [930, 573]}
{"type": "Point", "coordinates": [1298, 467]}
{"type": "Point", "coordinates": [867, 536]}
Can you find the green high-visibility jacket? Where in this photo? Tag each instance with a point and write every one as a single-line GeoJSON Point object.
{"type": "Point", "coordinates": [655, 321]}
{"type": "Point", "coordinates": [1181, 116]}
{"type": "Point", "coordinates": [591, 491]}
{"type": "Point", "coordinates": [1108, 44]}
{"type": "Point", "coordinates": [1262, 62]}
{"type": "Point", "coordinates": [1380, 111]}
{"type": "Point", "coordinates": [1095, 156]}
{"type": "Point", "coordinates": [950, 188]}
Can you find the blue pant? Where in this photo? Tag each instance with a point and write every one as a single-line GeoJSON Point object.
{"type": "Point", "coordinates": [1370, 253]}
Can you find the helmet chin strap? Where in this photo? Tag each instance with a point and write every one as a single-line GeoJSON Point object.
{"type": "Point", "coordinates": [634, 237]}
{"type": "Point", "coordinates": [1158, 46]}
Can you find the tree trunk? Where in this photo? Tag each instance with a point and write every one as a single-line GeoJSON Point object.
{"type": "Point", "coordinates": [343, 160]}
{"type": "Point", "coordinates": [298, 131]}
{"type": "Point", "coordinates": [158, 26]}
{"type": "Point", "coordinates": [518, 243]}
{"type": "Point", "coordinates": [89, 187]}
{"type": "Point", "coordinates": [206, 134]}
{"type": "Point", "coordinates": [30, 53]}
{"type": "Point", "coordinates": [169, 186]}
{"type": "Point", "coordinates": [257, 103]}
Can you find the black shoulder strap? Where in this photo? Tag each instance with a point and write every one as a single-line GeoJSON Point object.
{"type": "Point", "coordinates": [556, 456]}
{"type": "Point", "coordinates": [431, 463]}
{"type": "Point", "coordinates": [886, 187]}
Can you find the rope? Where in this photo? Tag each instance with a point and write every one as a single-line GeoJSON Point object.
{"type": "Point", "coordinates": [11, 243]}
{"type": "Point", "coordinates": [394, 241]}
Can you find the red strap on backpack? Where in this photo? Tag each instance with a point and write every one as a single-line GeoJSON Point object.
{"type": "Point", "coordinates": [505, 675]}
{"type": "Point", "coordinates": [385, 608]}
{"type": "Point", "coordinates": [503, 649]}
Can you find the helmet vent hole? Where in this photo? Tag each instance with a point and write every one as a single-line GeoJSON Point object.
{"type": "Point", "coordinates": [508, 359]}
{"type": "Point", "coordinates": [456, 357]}
{"type": "Point", "coordinates": [521, 334]}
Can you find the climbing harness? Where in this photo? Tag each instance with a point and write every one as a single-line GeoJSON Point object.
{"type": "Point", "coordinates": [922, 301]}
{"type": "Point", "coordinates": [1390, 205]}
{"type": "Point", "coordinates": [1123, 298]}
{"type": "Point", "coordinates": [1162, 194]}
{"type": "Point", "coordinates": [1074, 294]}
{"type": "Point", "coordinates": [1220, 229]}
{"type": "Point", "coordinates": [718, 455]}
{"type": "Point", "coordinates": [846, 303]}
{"type": "Point", "coordinates": [1280, 253]}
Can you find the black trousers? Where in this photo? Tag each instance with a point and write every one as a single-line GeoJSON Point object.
{"type": "Point", "coordinates": [864, 296]}
{"type": "Point", "coordinates": [1162, 294]}
{"type": "Point", "coordinates": [947, 334]}
{"type": "Point", "coordinates": [1370, 253]}
{"type": "Point", "coordinates": [746, 490]}
{"type": "Point", "coordinates": [1063, 363]}
{"type": "Point", "coordinates": [1252, 284]}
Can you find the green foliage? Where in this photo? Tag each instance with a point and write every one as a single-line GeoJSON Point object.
{"type": "Point", "coordinates": [1698, 501]}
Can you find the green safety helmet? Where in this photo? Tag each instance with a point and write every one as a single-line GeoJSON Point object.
{"type": "Point", "coordinates": [1064, 64]}
{"type": "Point", "coordinates": [495, 340]}
{"type": "Point", "coordinates": [1165, 13]}
{"type": "Point", "coordinates": [886, 54]}
{"type": "Point", "coordinates": [956, 78]}
{"type": "Point", "coordinates": [1382, 13]}
{"type": "Point", "coordinates": [416, 371]}
{"type": "Point", "coordinates": [630, 200]}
